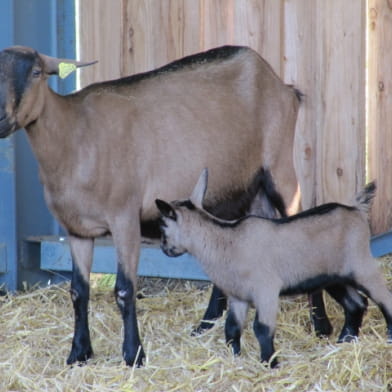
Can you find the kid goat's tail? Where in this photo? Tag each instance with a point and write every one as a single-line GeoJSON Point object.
{"type": "Point", "coordinates": [365, 197]}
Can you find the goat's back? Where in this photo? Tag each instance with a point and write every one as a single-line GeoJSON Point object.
{"type": "Point", "coordinates": [230, 113]}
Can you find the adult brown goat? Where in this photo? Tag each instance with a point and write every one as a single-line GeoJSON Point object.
{"type": "Point", "coordinates": [106, 152]}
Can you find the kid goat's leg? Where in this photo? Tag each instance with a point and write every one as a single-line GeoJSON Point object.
{"type": "Point", "coordinates": [354, 305]}
{"type": "Point", "coordinates": [235, 320]}
{"type": "Point", "coordinates": [216, 306]}
{"type": "Point", "coordinates": [373, 284]}
{"type": "Point", "coordinates": [264, 327]}
{"type": "Point", "coordinates": [82, 253]}
{"type": "Point", "coordinates": [126, 237]}
{"type": "Point", "coordinates": [321, 323]}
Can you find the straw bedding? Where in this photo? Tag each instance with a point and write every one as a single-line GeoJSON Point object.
{"type": "Point", "coordinates": [36, 331]}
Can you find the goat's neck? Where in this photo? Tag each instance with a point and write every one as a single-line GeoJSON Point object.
{"type": "Point", "coordinates": [211, 245]}
{"type": "Point", "coordinates": [51, 133]}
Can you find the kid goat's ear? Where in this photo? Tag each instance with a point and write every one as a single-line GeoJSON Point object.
{"type": "Point", "coordinates": [166, 209]}
{"type": "Point", "coordinates": [200, 189]}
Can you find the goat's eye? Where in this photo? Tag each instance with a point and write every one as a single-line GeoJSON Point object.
{"type": "Point", "coordinates": [36, 73]}
{"type": "Point", "coordinates": [161, 223]}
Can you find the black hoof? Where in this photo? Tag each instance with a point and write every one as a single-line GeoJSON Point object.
{"type": "Point", "coordinates": [348, 337]}
{"type": "Point", "coordinates": [322, 327]}
{"type": "Point", "coordinates": [134, 358]}
{"type": "Point", "coordinates": [202, 328]}
{"type": "Point", "coordinates": [273, 364]}
{"type": "Point", "coordinates": [236, 347]}
{"type": "Point", "coordinates": [78, 355]}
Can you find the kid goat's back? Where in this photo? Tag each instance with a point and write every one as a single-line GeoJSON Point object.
{"type": "Point", "coordinates": [255, 260]}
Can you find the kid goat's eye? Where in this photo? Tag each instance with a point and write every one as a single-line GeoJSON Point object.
{"type": "Point", "coordinates": [161, 223]}
{"type": "Point", "coordinates": [36, 73]}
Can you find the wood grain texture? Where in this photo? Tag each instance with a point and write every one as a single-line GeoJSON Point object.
{"type": "Point", "coordinates": [380, 111]}
{"type": "Point", "coordinates": [325, 58]}
{"type": "Point", "coordinates": [101, 30]}
{"type": "Point", "coordinates": [317, 45]}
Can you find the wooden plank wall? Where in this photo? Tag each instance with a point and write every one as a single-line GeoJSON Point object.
{"type": "Point", "coordinates": [317, 45]}
{"type": "Point", "coordinates": [144, 34]}
{"type": "Point", "coordinates": [325, 58]}
{"type": "Point", "coordinates": [379, 119]}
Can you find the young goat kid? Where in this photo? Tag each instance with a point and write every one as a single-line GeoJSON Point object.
{"type": "Point", "coordinates": [255, 260]}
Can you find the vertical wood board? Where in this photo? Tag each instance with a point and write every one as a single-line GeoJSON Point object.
{"type": "Point", "coordinates": [380, 110]}
{"type": "Point", "coordinates": [100, 29]}
{"type": "Point", "coordinates": [325, 58]}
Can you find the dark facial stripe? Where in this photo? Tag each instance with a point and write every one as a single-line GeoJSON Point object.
{"type": "Point", "coordinates": [23, 64]}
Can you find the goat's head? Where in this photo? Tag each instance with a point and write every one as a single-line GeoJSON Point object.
{"type": "Point", "coordinates": [23, 74]}
{"type": "Point", "coordinates": [174, 220]}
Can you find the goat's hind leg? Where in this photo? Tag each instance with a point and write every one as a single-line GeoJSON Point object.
{"type": "Point", "coordinates": [235, 320]}
{"type": "Point", "coordinates": [374, 285]}
{"type": "Point", "coordinates": [82, 251]}
{"type": "Point", "coordinates": [216, 306]}
{"type": "Point", "coordinates": [354, 305]}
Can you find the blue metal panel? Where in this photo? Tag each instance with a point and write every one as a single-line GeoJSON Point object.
{"type": "Point", "coordinates": [66, 41]}
{"type": "Point", "coordinates": [23, 211]}
{"type": "Point", "coordinates": [56, 256]}
{"type": "Point", "coordinates": [381, 245]}
{"type": "Point", "coordinates": [8, 239]}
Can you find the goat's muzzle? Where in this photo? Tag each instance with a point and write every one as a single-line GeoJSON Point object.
{"type": "Point", "coordinates": [170, 251]}
{"type": "Point", "coordinates": [6, 127]}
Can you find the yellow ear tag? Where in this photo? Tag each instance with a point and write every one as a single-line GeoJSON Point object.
{"type": "Point", "coordinates": [65, 69]}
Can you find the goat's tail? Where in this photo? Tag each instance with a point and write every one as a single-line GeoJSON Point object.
{"type": "Point", "coordinates": [365, 197]}
{"type": "Point", "coordinates": [267, 184]}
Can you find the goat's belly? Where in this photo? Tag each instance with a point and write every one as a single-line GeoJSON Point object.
{"type": "Point", "coordinates": [82, 225]}
{"type": "Point", "coordinates": [80, 221]}
{"type": "Point", "coordinates": [87, 228]}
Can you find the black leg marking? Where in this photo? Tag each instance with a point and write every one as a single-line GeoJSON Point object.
{"type": "Point", "coordinates": [233, 333]}
{"type": "Point", "coordinates": [216, 306]}
{"type": "Point", "coordinates": [81, 343]}
{"type": "Point", "coordinates": [319, 317]}
{"type": "Point", "coordinates": [266, 340]}
{"type": "Point", "coordinates": [133, 352]}
{"type": "Point", "coordinates": [388, 320]}
{"type": "Point", "coordinates": [354, 310]}
{"type": "Point", "coordinates": [375, 288]}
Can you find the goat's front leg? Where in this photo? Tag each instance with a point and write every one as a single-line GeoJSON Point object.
{"type": "Point", "coordinates": [265, 336]}
{"type": "Point", "coordinates": [82, 252]}
{"type": "Point", "coordinates": [127, 242]}
{"type": "Point", "coordinates": [264, 325]}
{"type": "Point", "coordinates": [216, 306]}
{"type": "Point", "coordinates": [236, 317]}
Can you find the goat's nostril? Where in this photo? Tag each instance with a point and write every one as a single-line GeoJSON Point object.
{"type": "Point", "coordinates": [2, 118]}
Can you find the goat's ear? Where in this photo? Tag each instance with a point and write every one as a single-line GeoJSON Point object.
{"type": "Point", "coordinates": [166, 209]}
{"type": "Point", "coordinates": [61, 67]}
{"type": "Point", "coordinates": [200, 189]}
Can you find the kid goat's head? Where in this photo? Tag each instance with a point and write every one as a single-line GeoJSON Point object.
{"type": "Point", "coordinates": [174, 218]}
